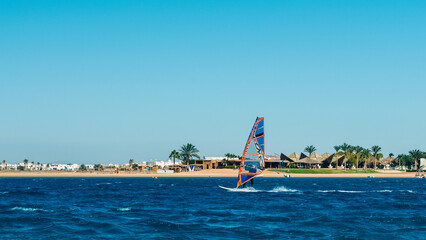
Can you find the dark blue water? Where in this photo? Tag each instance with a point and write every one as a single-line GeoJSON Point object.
{"type": "Point", "coordinates": [195, 208]}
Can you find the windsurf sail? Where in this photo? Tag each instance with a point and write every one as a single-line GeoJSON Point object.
{"type": "Point", "coordinates": [253, 160]}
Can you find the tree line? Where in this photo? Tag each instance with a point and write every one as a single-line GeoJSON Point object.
{"type": "Point", "coordinates": [358, 155]}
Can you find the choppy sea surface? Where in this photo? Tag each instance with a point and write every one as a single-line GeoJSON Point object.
{"type": "Point", "coordinates": [196, 208]}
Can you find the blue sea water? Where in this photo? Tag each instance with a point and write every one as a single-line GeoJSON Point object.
{"type": "Point", "coordinates": [196, 208]}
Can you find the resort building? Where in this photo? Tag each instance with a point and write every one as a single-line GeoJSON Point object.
{"type": "Point", "coordinates": [388, 162]}
{"type": "Point", "coordinates": [66, 167]}
{"type": "Point", "coordinates": [314, 160]}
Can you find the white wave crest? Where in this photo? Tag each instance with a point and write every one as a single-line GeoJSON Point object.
{"type": "Point", "coordinates": [124, 209]}
{"type": "Point", "coordinates": [409, 191]}
{"type": "Point", "coordinates": [247, 189]}
{"type": "Point", "coordinates": [326, 191]}
{"type": "Point", "coordinates": [27, 209]}
{"type": "Point", "coordinates": [98, 184]}
{"type": "Point", "coordinates": [347, 191]}
{"type": "Point", "coordinates": [283, 189]}
{"type": "Point", "coordinates": [384, 190]}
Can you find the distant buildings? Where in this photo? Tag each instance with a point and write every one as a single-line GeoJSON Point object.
{"type": "Point", "coordinates": [30, 166]}
{"type": "Point", "coordinates": [301, 160]}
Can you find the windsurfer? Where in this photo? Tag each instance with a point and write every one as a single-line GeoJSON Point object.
{"type": "Point", "coordinates": [252, 163]}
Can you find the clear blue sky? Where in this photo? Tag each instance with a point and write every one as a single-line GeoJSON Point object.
{"type": "Point", "coordinates": [106, 81]}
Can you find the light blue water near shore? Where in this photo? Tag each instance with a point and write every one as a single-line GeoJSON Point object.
{"type": "Point", "coordinates": [196, 208]}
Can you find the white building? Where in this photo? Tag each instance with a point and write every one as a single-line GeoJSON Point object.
{"type": "Point", "coordinates": [423, 163]}
{"type": "Point", "coordinates": [167, 163]}
{"type": "Point", "coordinates": [7, 166]}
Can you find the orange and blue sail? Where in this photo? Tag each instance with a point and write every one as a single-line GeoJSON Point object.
{"type": "Point", "coordinates": [253, 160]}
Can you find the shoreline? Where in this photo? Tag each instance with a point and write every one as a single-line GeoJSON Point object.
{"type": "Point", "coordinates": [206, 173]}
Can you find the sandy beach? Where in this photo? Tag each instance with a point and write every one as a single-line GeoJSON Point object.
{"type": "Point", "coordinates": [203, 173]}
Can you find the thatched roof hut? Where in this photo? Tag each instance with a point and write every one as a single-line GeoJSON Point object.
{"type": "Point", "coordinates": [313, 158]}
{"type": "Point", "coordinates": [328, 158]}
{"type": "Point", "coordinates": [302, 156]}
{"type": "Point", "coordinates": [340, 160]}
{"type": "Point", "coordinates": [386, 161]}
{"type": "Point", "coordinates": [294, 157]}
{"type": "Point", "coordinates": [283, 157]}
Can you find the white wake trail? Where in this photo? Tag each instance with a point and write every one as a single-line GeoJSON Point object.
{"type": "Point", "coordinates": [282, 189]}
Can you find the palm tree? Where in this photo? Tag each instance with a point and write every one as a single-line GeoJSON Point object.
{"type": "Point", "coordinates": [227, 157]}
{"type": "Point", "coordinates": [135, 167]}
{"type": "Point", "coordinates": [82, 167]}
{"type": "Point", "coordinates": [310, 149]}
{"type": "Point", "coordinates": [187, 152]}
{"type": "Point", "coordinates": [174, 154]}
{"type": "Point", "coordinates": [406, 160]}
{"type": "Point", "coordinates": [390, 156]}
{"type": "Point", "coordinates": [345, 148]}
{"type": "Point", "coordinates": [416, 154]}
{"type": "Point", "coordinates": [131, 162]}
{"type": "Point", "coordinates": [366, 155]}
{"type": "Point", "coordinates": [336, 148]}
{"type": "Point", "coordinates": [98, 167]}
{"type": "Point", "coordinates": [358, 151]}
{"type": "Point", "coordinates": [230, 155]}
{"type": "Point", "coordinates": [349, 152]}
{"type": "Point", "coordinates": [25, 163]}
{"type": "Point", "coordinates": [375, 149]}
{"type": "Point", "coordinates": [399, 157]}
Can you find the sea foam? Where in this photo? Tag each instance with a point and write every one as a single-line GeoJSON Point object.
{"type": "Point", "coordinates": [326, 191]}
{"type": "Point", "coordinates": [28, 209]}
{"type": "Point", "coordinates": [283, 189]}
{"type": "Point", "coordinates": [247, 189]}
{"type": "Point", "coordinates": [348, 191]}
{"type": "Point", "coordinates": [384, 190]}
{"type": "Point", "coordinates": [124, 209]}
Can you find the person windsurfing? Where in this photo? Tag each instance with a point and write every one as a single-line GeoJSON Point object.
{"type": "Point", "coordinates": [253, 159]}
{"type": "Point", "coordinates": [252, 162]}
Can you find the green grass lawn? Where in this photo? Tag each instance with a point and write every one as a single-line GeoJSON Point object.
{"type": "Point", "coordinates": [319, 171]}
